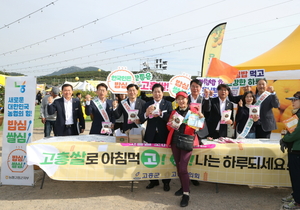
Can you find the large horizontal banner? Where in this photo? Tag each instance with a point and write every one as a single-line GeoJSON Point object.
{"type": "Point", "coordinates": [247, 164]}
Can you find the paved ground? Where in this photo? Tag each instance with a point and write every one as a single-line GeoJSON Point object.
{"type": "Point", "coordinates": [118, 195]}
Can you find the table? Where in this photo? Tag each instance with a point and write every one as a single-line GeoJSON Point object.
{"type": "Point", "coordinates": [97, 158]}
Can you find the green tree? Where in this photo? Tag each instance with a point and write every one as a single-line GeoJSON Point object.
{"type": "Point", "coordinates": [2, 93]}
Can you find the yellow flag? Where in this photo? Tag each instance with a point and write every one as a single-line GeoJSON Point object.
{"type": "Point", "coordinates": [213, 46]}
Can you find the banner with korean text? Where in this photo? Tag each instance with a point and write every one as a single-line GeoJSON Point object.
{"type": "Point", "coordinates": [18, 129]}
{"type": "Point", "coordinates": [244, 78]}
{"type": "Point", "coordinates": [179, 83]}
{"type": "Point", "coordinates": [246, 164]}
{"type": "Point", "coordinates": [147, 85]}
{"type": "Point", "coordinates": [211, 84]}
{"type": "Point", "coordinates": [118, 80]}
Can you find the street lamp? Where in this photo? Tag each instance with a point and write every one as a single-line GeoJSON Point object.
{"type": "Point", "coordinates": [99, 73]}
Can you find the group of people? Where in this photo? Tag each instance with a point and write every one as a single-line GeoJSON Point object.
{"type": "Point", "coordinates": [158, 111]}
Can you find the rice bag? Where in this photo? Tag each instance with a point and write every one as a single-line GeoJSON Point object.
{"type": "Point", "coordinates": [253, 110]}
{"type": "Point", "coordinates": [132, 116]}
{"type": "Point", "coordinates": [155, 111]}
{"type": "Point", "coordinates": [225, 116]}
{"type": "Point", "coordinates": [175, 121]}
{"type": "Point", "coordinates": [106, 128]}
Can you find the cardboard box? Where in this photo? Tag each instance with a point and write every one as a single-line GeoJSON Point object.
{"type": "Point", "coordinates": [121, 137]}
{"type": "Point", "coordinates": [135, 135]}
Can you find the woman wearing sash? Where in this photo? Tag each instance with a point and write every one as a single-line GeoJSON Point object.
{"type": "Point", "coordinates": [101, 108]}
{"type": "Point", "coordinates": [266, 99]}
{"type": "Point", "coordinates": [244, 124]}
{"type": "Point", "coordinates": [293, 156]}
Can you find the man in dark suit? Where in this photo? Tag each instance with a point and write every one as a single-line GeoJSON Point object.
{"type": "Point", "coordinates": [69, 120]}
{"type": "Point", "coordinates": [216, 106]}
{"type": "Point", "coordinates": [131, 103]}
{"type": "Point", "coordinates": [101, 108]}
{"type": "Point", "coordinates": [156, 130]}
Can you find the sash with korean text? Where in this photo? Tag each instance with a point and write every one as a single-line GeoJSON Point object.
{"type": "Point", "coordinates": [127, 107]}
{"type": "Point", "coordinates": [101, 109]}
{"type": "Point", "coordinates": [249, 122]}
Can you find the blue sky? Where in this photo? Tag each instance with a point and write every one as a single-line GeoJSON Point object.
{"type": "Point", "coordinates": [130, 32]}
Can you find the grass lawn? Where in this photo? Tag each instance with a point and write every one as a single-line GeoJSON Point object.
{"type": "Point", "coordinates": [37, 121]}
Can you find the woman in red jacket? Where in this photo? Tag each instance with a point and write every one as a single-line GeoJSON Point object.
{"type": "Point", "coordinates": [182, 157]}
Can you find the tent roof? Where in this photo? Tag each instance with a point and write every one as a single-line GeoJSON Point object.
{"type": "Point", "coordinates": [284, 56]}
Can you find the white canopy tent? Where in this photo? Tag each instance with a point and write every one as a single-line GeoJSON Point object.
{"type": "Point", "coordinates": [85, 86]}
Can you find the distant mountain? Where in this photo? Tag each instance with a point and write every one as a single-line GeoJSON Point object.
{"type": "Point", "coordinates": [11, 73]}
{"type": "Point", "coordinates": [72, 69]}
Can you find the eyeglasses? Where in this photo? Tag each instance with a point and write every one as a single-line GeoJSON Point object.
{"type": "Point", "coordinates": [223, 90]}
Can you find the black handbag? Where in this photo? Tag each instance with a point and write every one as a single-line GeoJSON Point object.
{"type": "Point", "coordinates": [185, 142]}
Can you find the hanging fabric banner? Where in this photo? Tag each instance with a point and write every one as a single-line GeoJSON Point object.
{"type": "Point", "coordinates": [213, 46]}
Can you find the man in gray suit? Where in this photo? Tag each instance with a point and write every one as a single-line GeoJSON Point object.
{"type": "Point", "coordinates": [195, 97]}
{"type": "Point", "coordinates": [48, 120]}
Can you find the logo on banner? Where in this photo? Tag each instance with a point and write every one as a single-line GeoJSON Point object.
{"type": "Point", "coordinates": [16, 161]}
{"type": "Point", "coordinates": [150, 158]}
{"type": "Point", "coordinates": [137, 176]}
{"type": "Point", "coordinates": [22, 87]}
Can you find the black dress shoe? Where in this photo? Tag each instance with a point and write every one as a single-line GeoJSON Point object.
{"type": "Point", "coordinates": [179, 192]}
{"type": "Point", "coordinates": [195, 182]}
{"type": "Point", "coordinates": [151, 185]}
{"type": "Point", "coordinates": [185, 200]}
{"type": "Point", "coordinates": [166, 187]}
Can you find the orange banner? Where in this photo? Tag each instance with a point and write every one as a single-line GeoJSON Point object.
{"type": "Point", "coordinates": [222, 70]}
